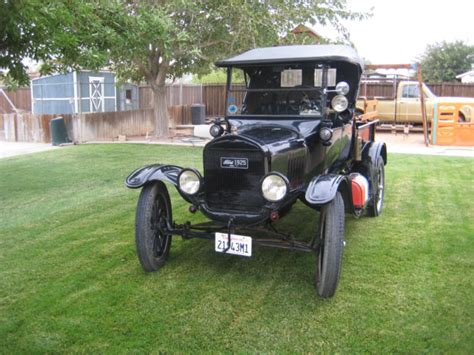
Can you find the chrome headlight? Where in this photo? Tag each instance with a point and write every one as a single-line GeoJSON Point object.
{"type": "Point", "coordinates": [216, 130]}
{"type": "Point", "coordinates": [339, 103]}
{"type": "Point", "coordinates": [325, 134]}
{"type": "Point", "coordinates": [189, 181]}
{"type": "Point", "coordinates": [342, 88]}
{"type": "Point", "coordinates": [274, 187]}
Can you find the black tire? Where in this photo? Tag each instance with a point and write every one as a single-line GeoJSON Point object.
{"type": "Point", "coordinates": [331, 236]}
{"type": "Point", "coordinates": [375, 205]}
{"type": "Point", "coordinates": [153, 209]}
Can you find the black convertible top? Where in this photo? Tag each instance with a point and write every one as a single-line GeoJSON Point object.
{"type": "Point", "coordinates": [291, 54]}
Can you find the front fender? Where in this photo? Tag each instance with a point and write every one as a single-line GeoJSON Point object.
{"type": "Point", "coordinates": [323, 188]}
{"type": "Point", "coordinates": [155, 172]}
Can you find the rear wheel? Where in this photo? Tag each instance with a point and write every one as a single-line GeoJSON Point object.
{"type": "Point", "coordinates": [375, 206]}
{"type": "Point", "coordinates": [152, 240]}
{"type": "Point", "coordinates": [331, 237]}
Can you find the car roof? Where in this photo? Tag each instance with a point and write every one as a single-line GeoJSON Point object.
{"type": "Point", "coordinates": [292, 54]}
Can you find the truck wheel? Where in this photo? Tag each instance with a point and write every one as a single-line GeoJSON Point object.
{"type": "Point", "coordinates": [152, 241]}
{"type": "Point", "coordinates": [331, 237]}
{"type": "Point", "coordinates": [375, 206]}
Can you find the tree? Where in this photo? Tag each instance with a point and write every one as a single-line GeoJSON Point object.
{"type": "Point", "coordinates": [443, 61]}
{"type": "Point", "coordinates": [156, 40]}
{"type": "Point", "coordinates": [20, 37]}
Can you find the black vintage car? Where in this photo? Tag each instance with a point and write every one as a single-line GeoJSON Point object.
{"type": "Point", "coordinates": [290, 133]}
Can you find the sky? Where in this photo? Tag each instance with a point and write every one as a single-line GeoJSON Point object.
{"type": "Point", "coordinates": [399, 31]}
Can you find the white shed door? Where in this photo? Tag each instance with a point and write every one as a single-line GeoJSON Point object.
{"type": "Point", "coordinates": [96, 94]}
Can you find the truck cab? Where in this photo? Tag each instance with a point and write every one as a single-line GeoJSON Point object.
{"type": "Point", "coordinates": [405, 106]}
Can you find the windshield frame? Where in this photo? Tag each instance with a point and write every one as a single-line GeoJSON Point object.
{"type": "Point", "coordinates": [322, 90]}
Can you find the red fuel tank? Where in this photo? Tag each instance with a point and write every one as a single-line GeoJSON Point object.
{"type": "Point", "coordinates": [360, 190]}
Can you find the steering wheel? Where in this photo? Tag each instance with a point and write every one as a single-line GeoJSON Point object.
{"type": "Point", "coordinates": [301, 100]}
{"type": "Point", "coordinates": [292, 102]}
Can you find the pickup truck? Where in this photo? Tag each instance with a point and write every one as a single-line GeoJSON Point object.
{"type": "Point", "coordinates": [405, 107]}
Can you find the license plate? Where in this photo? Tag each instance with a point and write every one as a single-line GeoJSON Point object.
{"type": "Point", "coordinates": [239, 244]}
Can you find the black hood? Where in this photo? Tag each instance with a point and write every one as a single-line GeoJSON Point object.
{"type": "Point", "coordinates": [268, 132]}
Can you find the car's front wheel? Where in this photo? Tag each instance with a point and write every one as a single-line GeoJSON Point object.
{"type": "Point", "coordinates": [152, 240]}
{"type": "Point", "coordinates": [331, 245]}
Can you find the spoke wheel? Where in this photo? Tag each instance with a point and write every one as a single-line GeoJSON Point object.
{"type": "Point", "coordinates": [152, 240]}
{"type": "Point", "coordinates": [376, 204]}
{"type": "Point", "coordinates": [331, 245]}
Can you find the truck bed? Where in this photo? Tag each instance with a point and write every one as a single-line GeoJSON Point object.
{"type": "Point", "coordinates": [367, 109]}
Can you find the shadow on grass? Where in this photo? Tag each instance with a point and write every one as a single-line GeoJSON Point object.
{"type": "Point", "coordinates": [295, 269]}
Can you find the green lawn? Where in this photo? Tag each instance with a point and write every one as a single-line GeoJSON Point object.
{"type": "Point", "coordinates": [70, 279]}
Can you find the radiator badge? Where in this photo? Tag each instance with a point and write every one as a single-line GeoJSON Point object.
{"type": "Point", "coordinates": [234, 163]}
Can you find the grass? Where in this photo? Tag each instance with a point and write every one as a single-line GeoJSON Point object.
{"type": "Point", "coordinates": [70, 280]}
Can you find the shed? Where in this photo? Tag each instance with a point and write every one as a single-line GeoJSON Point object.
{"type": "Point", "coordinates": [467, 77]}
{"type": "Point", "coordinates": [81, 91]}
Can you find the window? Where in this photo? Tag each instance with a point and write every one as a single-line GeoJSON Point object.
{"type": "Point", "coordinates": [410, 92]}
{"type": "Point", "coordinates": [291, 78]}
{"type": "Point", "coordinates": [318, 77]}
{"type": "Point", "coordinates": [128, 96]}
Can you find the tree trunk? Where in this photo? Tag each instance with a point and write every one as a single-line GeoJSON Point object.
{"type": "Point", "coordinates": [160, 105]}
{"type": "Point", "coordinates": [161, 110]}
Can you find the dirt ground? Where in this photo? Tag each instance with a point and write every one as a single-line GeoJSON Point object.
{"type": "Point", "coordinates": [413, 143]}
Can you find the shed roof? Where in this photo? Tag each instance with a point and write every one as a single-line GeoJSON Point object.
{"type": "Point", "coordinates": [291, 54]}
{"type": "Point", "coordinates": [468, 73]}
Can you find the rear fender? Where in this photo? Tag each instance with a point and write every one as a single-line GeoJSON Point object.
{"type": "Point", "coordinates": [370, 154]}
{"type": "Point", "coordinates": [372, 151]}
{"type": "Point", "coordinates": [156, 172]}
{"type": "Point", "coordinates": [323, 188]}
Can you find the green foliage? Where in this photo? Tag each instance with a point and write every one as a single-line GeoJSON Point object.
{"type": "Point", "coordinates": [148, 40]}
{"type": "Point", "coordinates": [21, 35]}
{"type": "Point", "coordinates": [70, 281]}
{"type": "Point", "coordinates": [443, 61]}
{"type": "Point", "coordinates": [219, 76]}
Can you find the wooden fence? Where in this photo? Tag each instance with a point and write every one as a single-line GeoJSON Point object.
{"type": "Point", "coordinates": [109, 125]}
{"type": "Point", "coordinates": [176, 95]}
{"type": "Point", "coordinates": [452, 89]}
{"type": "Point", "coordinates": [21, 98]}
{"type": "Point", "coordinates": [443, 89]}
{"type": "Point", "coordinates": [213, 96]}
{"type": "Point", "coordinates": [25, 127]}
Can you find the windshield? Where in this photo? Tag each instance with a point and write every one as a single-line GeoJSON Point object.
{"type": "Point", "coordinates": [428, 92]}
{"type": "Point", "coordinates": [283, 90]}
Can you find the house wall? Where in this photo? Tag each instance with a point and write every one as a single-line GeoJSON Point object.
{"type": "Point", "coordinates": [468, 79]}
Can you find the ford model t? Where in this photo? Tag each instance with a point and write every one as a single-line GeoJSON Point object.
{"type": "Point", "coordinates": [289, 133]}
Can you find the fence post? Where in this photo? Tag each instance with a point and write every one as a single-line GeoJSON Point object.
{"type": "Point", "coordinates": [9, 126]}
{"type": "Point", "coordinates": [15, 127]}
